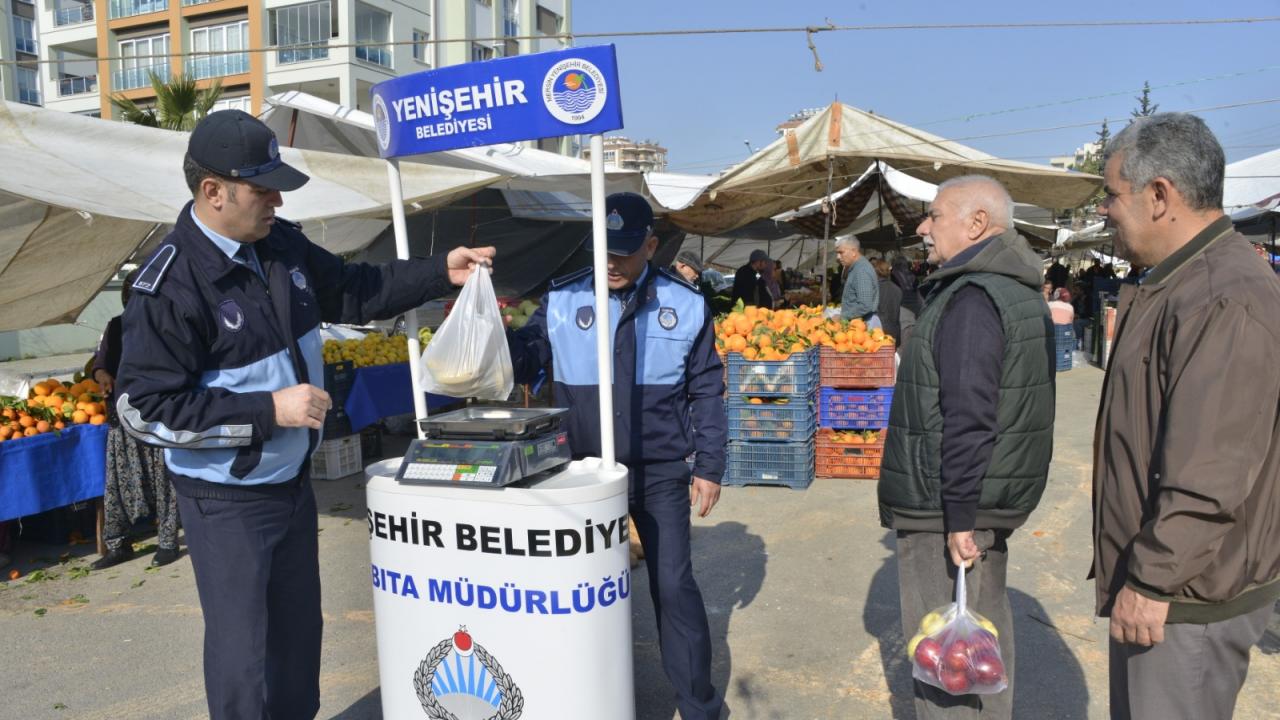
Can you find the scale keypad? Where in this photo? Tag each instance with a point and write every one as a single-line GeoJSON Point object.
{"type": "Point", "coordinates": [447, 472]}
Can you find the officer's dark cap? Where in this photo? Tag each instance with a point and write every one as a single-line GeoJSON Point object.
{"type": "Point", "coordinates": [629, 221]}
{"type": "Point", "coordinates": [235, 144]}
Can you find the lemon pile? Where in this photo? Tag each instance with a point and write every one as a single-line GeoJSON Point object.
{"type": "Point", "coordinates": [373, 349]}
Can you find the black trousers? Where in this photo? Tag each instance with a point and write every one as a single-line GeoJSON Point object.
{"type": "Point", "coordinates": [659, 499]}
{"type": "Point", "coordinates": [258, 575]}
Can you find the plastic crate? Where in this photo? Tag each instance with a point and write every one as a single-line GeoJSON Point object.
{"type": "Point", "coordinates": [337, 458]}
{"type": "Point", "coordinates": [773, 420]}
{"type": "Point", "coordinates": [846, 460]}
{"type": "Point", "coordinates": [854, 409]}
{"type": "Point", "coordinates": [1064, 344]}
{"type": "Point", "coordinates": [858, 370]}
{"type": "Point", "coordinates": [338, 378]}
{"type": "Point", "coordinates": [786, 464]}
{"type": "Point", "coordinates": [796, 376]}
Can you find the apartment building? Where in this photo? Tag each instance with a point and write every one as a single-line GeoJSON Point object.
{"type": "Point", "coordinates": [19, 40]}
{"type": "Point", "coordinates": [333, 49]}
{"type": "Point", "coordinates": [622, 153]}
{"type": "Point", "coordinates": [1074, 162]}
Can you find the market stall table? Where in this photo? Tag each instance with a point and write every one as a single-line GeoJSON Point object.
{"type": "Point", "coordinates": [52, 470]}
{"type": "Point", "coordinates": [381, 391]}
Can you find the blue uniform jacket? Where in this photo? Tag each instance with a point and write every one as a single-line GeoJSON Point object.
{"type": "Point", "coordinates": [207, 340]}
{"type": "Point", "coordinates": [668, 383]}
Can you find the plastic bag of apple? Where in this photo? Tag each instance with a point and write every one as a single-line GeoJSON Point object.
{"type": "Point", "coordinates": [958, 650]}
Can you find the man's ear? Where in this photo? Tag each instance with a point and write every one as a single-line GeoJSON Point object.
{"type": "Point", "coordinates": [212, 191]}
{"type": "Point", "coordinates": [979, 224]}
{"type": "Point", "coordinates": [1162, 195]}
{"type": "Point", "coordinates": [650, 247]}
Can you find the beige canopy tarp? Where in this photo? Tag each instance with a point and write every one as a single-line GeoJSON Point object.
{"type": "Point", "coordinates": [845, 141]}
{"type": "Point", "coordinates": [78, 195]}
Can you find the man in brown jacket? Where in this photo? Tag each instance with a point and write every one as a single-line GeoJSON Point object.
{"type": "Point", "coordinates": [1186, 487]}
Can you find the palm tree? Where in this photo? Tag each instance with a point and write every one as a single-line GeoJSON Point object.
{"type": "Point", "coordinates": [179, 105]}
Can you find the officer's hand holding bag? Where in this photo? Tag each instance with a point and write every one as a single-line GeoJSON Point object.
{"type": "Point", "coordinates": [468, 356]}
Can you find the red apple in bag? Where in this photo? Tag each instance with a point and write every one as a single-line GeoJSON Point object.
{"type": "Point", "coordinates": [956, 655]}
{"type": "Point", "coordinates": [928, 655]}
{"type": "Point", "coordinates": [954, 682]}
{"type": "Point", "coordinates": [987, 669]}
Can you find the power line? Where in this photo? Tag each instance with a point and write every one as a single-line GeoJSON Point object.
{"type": "Point", "coordinates": [808, 30]}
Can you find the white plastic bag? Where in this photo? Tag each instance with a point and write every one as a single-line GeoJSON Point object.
{"type": "Point", "coordinates": [468, 356]}
{"type": "Point", "coordinates": [957, 650]}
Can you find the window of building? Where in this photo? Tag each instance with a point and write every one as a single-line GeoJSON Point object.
{"type": "Point", "coordinates": [610, 155]}
{"type": "Point", "coordinates": [235, 103]}
{"type": "Point", "coordinates": [421, 52]}
{"type": "Point", "coordinates": [306, 24]}
{"type": "Point", "coordinates": [28, 85]}
{"type": "Point", "coordinates": [139, 57]}
{"type": "Point", "coordinates": [548, 22]}
{"type": "Point", "coordinates": [373, 26]}
{"type": "Point", "coordinates": [510, 18]}
{"type": "Point", "coordinates": [24, 35]}
{"type": "Point", "coordinates": [480, 52]}
{"type": "Point", "coordinates": [231, 36]}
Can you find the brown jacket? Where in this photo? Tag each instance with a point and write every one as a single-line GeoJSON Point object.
{"type": "Point", "coordinates": [1186, 480]}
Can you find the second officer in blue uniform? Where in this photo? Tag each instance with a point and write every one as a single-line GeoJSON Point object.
{"type": "Point", "coordinates": [667, 398]}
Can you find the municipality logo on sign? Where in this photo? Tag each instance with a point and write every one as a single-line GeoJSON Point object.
{"type": "Point", "coordinates": [381, 123]}
{"type": "Point", "coordinates": [459, 679]}
{"type": "Point", "coordinates": [574, 91]}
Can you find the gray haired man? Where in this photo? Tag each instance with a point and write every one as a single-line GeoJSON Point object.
{"type": "Point", "coordinates": [861, 296]}
{"type": "Point", "coordinates": [1186, 479]}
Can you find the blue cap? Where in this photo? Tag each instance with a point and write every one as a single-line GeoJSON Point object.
{"type": "Point", "coordinates": [235, 144]}
{"type": "Point", "coordinates": [629, 220]}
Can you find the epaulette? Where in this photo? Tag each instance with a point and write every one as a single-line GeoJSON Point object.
{"type": "Point", "coordinates": [152, 274]}
{"type": "Point", "coordinates": [673, 275]}
{"type": "Point", "coordinates": [571, 277]}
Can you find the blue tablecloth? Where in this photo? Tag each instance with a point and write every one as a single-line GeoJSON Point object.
{"type": "Point", "coordinates": [382, 391]}
{"type": "Point", "coordinates": [52, 470]}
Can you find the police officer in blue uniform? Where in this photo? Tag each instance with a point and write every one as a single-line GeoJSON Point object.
{"type": "Point", "coordinates": [667, 398]}
{"type": "Point", "coordinates": [221, 366]}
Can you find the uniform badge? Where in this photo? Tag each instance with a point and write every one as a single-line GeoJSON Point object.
{"type": "Point", "coordinates": [299, 280]}
{"type": "Point", "coordinates": [586, 317]}
{"type": "Point", "coordinates": [459, 678]}
{"type": "Point", "coordinates": [614, 221]}
{"type": "Point", "coordinates": [667, 318]}
{"type": "Point", "coordinates": [231, 315]}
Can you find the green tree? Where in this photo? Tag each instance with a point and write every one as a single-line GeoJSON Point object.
{"type": "Point", "coordinates": [179, 105]}
{"type": "Point", "coordinates": [1145, 107]}
{"type": "Point", "coordinates": [1093, 161]}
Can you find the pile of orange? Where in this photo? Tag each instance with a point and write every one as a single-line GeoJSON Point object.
{"type": "Point", "coordinates": [856, 437]}
{"type": "Point", "coordinates": [51, 406]}
{"type": "Point", "coordinates": [763, 334]}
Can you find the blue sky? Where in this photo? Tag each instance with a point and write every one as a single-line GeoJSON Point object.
{"type": "Point", "coordinates": [702, 96]}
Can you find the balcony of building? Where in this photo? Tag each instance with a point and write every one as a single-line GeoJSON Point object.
{"type": "Point", "coordinates": [373, 26]}
{"type": "Point", "coordinates": [139, 76]}
{"type": "Point", "coordinates": [130, 8]}
{"type": "Point", "coordinates": [217, 66]}
{"type": "Point", "coordinates": [72, 13]}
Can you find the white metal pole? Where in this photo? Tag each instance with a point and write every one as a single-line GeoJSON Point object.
{"type": "Point", "coordinates": [600, 260]}
{"type": "Point", "coordinates": [411, 318]}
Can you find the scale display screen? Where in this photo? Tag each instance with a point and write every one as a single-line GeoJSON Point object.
{"type": "Point", "coordinates": [481, 463]}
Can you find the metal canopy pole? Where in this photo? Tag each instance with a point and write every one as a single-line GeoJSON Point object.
{"type": "Point", "coordinates": [599, 262]}
{"type": "Point", "coordinates": [411, 317]}
{"type": "Point", "coordinates": [826, 233]}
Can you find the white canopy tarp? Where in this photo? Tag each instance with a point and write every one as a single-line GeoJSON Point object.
{"type": "Point", "coordinates": [1252, 186]}
{"type": "Point", "coordinates": [537, 184]}
{"type": "Point", "coordinates": [845, 141]}
{"type": "Point", "coordinates": [79, 194]}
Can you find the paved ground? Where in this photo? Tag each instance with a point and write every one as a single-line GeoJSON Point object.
{"type": "Point", "coordinates": [801, 589]}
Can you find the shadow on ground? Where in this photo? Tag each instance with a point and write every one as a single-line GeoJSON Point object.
{"type": "Point", "coordinates": [730, 570]}
{"type": "Point", "coordinates": [1049, 683]}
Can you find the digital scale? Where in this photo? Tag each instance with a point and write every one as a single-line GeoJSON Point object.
{"type": "Point", "coordinates": [486, 447]}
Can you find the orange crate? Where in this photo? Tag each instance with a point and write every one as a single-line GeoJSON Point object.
{"type": "Point", "coordinates": [857, 370]}
{"type": "Point", "coordinates": [844, 460]}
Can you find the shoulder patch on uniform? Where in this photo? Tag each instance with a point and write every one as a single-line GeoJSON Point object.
{"type": "Point", "coordinates": [571, 277]}
{"type": "Point", "coordinates": [152, 274]}
{"type": "Point", "coordinates": [673, 275]}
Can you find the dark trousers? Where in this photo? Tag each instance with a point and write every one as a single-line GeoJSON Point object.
{"type": "Point", "coordinates": [258, 575]}
{"type": "Point", "coordinates": [926, 581]}
{"type": "Point", "coordinates": [659, 498]}
{"type": "Point", "coordinates": [1196, 673]}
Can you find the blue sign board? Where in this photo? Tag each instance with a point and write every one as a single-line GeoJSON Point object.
{"type": "Point", "coordinates": [567, 92]}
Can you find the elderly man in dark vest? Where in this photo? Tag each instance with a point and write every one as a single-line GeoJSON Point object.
{"type": "Point", "coordinates": [971, 428]}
